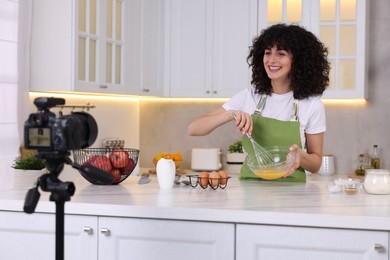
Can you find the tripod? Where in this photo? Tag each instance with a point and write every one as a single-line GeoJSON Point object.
{"type": "Point", "coordinates": [60, 193]}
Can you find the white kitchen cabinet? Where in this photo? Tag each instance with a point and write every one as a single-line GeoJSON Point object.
{"type": "Point", "coordinates": [79, 45]}
{"type": "Point", "coordinates": [112, 238]}
{"type": "Point", "coordinates": [32, 236]}
{"type": "Point", "coordinates": [100, 46]}
{"type": "Point", "coordinates": [209, 43]}
{"type": "Point", "coordinates": [164, 239]}
{"type": "Point", "coordinates": [276, 242]}
{"type": "Point", "coordinates": [342, 25]}
{"type": "Point", "coordinates": [146, 50]}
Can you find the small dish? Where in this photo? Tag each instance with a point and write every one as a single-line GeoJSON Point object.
{"type": "Point", "coordinates": [351, 188]}
{"type": "Point", "coordinates": [334, 188]}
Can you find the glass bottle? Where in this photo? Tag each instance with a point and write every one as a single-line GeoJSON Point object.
{"type": "Point", "coordinates": [360, 168]}
{"type": "Point", "coordinates": [375, 160]}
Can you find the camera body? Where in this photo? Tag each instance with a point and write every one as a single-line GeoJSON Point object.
{"type": "Point", "coordinates": [46, 132]}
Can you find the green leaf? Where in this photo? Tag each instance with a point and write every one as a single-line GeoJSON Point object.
{"type": "Point", "coordinates": [235, 147]}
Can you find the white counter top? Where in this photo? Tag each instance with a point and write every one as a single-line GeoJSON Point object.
{"type": "Point", "coordinates": [293, 204]}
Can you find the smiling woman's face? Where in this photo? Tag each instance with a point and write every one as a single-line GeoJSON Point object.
{"type": "Point", "coordinates": [277, 63]}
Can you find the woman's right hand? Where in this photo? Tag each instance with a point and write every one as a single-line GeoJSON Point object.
{"type": "Point", "coordinates": [243, 121]}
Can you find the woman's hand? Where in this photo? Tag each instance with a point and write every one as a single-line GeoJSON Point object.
{"type": "Point", "coordinates": [297, 162]}
{"type": "Point", "coordinates": [243, 121]}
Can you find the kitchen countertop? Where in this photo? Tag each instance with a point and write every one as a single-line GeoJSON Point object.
{"type": "Point", "coordinates": [253, 202]}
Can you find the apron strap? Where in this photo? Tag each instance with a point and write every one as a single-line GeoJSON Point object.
{"type": "Point", "coordinates": [294, 116]}
{"type": "Point", "coordinates": [260, 106]}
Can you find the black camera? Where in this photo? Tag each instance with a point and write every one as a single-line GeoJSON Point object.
{"type": "Point", "coordinates": [46, 132]}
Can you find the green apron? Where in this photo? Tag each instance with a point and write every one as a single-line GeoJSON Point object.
{"type": "Point", "coordinates": [273, 132]}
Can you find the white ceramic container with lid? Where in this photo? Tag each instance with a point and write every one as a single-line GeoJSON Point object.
{"type": "Point", "coordinates": [377, 181]}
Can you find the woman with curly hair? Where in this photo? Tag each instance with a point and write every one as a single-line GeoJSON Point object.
{"type": "Point", "coordinates": [290, 72]}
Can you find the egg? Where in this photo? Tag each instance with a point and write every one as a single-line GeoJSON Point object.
{"type": "Point", "coordinates": [223, 177]}
{"type": "Point", "coordinates": [203, 178]}
{"type": "Point", "coordinates": [214, 179]}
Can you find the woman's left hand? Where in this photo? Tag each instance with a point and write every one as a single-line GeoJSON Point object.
{"type": "Point", "coordinates": [297, 162]}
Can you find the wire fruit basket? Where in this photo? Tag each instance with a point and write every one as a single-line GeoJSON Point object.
{"type": "Point", "coordinates": [119, 162]}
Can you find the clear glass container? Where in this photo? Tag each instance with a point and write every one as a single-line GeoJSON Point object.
{"type": "Point", "coordinates": [363, 164]}
{"type": "Point", "coordinates": [377, 181]}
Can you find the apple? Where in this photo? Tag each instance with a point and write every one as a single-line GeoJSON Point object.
{"type": "Point", "coordinates": [116, 173]}
{"type": "Point", "coordinates": [102, 162]}
{"type": "Point", "coordinates": [128, 168]}
{"type": "Point", "coordinates": [119, 158]}
{"type": "Point", "coordinates": [90, 160]}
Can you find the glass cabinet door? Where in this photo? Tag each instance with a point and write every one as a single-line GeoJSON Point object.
{"type": "Point", "coordinates": [87, 41]}
{"type": "Point", "coordinates": [114, 42]}
{"type": "Point", "coordinates": [283, 11]}
{"type": "Point", "coordinates": [100, 45]}
{"type": "Point", "coordinates": [341, 25]}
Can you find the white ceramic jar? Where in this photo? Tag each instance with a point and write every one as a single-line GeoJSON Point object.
{"type": "Point", "coordinates": [377, 181]}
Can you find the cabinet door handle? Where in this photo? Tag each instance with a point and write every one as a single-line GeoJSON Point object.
{"type": "Point", "coordinates": [378, 247]}
{"type": "Point", "coordinates": [103, 86]}
{"type": "Point", "coordinates": [145, 90]}
{"type": "Point", "coordinates": [88, 230]}
{"type": "Point", "coordinates": [208, 92]}
{"type": "Point", "coordinates": [215, 92]}
{"type": "Point", "coordinates": [105, 231]}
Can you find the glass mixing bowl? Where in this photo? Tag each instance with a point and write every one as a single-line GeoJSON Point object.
{"type": "Point", "coordinates": [282, 158]}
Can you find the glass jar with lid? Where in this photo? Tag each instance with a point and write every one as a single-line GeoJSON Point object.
{"type": "Point", "coordinates": [377, 181]}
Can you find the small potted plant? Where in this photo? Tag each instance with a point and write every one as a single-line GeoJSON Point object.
{"type": "Point", "coordinates": [28, 161]}
{"type": "Point", "coordinates": [235, 153]}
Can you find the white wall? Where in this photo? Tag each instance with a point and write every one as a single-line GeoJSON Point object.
{"type": "Point", "coordinates": [8, 79]}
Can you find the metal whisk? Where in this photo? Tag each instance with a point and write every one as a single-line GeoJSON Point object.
{"type": "Point", "coordinates": [263, 157]}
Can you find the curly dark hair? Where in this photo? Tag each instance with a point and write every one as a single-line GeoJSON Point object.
{"type": "Point", "coordinates": [309, 69]}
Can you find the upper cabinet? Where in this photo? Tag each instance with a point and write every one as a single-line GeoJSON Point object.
{"type": "Point", "coordinates": [342, 26]}
{"type": "Point", "coordinates": [209, 42]}
{"type": "Point", "coordinates": [101, 46]}
{"type": "Point", "coordinates": [184, 48]}
{"type": "Point", "coordinates": [146, 48]}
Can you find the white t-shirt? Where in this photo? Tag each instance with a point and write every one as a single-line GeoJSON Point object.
{"type": "Point", "coordinates": [311, 111]}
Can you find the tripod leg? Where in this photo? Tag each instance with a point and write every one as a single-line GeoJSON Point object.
{"type": "Point", "coordinates": [60, 227]}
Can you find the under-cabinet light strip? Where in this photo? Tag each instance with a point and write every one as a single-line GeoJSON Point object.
{"type": "Point", "coordinates": [167, 99]}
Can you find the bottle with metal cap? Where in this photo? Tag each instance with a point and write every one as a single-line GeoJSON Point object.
{"type": "Point", "coordinates": [375, 159]}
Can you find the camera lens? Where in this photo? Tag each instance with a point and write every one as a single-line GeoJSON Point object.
{"type": "Point", "coordinates": [82, 130]}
